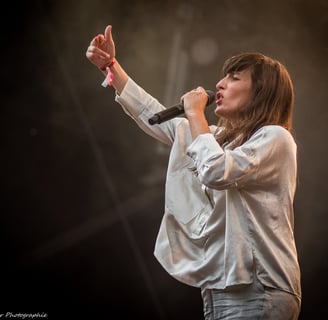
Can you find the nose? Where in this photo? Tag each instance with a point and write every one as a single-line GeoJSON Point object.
{"type": "Point", "coordinates": [221, 84]}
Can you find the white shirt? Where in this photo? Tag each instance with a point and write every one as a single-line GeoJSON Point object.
{"type": "Point", "coordinates": [227, 212]}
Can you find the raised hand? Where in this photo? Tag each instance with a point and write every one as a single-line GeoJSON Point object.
{"type": "Point", "coordinates": [101, 50]}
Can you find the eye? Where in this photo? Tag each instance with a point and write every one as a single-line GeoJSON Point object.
{"type": "Point", "coordinates": [234, 77]}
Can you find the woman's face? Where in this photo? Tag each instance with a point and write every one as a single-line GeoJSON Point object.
{"type": "Point", "coordinates": [234, 92]}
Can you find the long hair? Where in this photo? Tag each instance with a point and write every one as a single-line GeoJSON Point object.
{"type": "Point", "coordinates": [272, 99]}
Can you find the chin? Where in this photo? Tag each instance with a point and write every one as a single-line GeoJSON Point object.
{"type": "Point", "coordinates": [217, 111]}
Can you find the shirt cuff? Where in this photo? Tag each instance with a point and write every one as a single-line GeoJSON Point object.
{"type": "Point", "coordinates": [130, 98]}
{"type": "Point", "coordinates": [203, 148]}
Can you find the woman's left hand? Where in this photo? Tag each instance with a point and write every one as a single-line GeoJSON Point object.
{"type": "Point", "coordinates": [194, 102]}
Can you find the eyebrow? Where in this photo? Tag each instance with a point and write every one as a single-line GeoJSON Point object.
{"type": "Point", "coordinates": [233, 73]}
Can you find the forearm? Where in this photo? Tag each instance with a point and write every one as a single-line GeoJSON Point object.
{"type": "Point", "coordinates": [120, 77]}
{"type": "Point", "coordinates": [198, 124]}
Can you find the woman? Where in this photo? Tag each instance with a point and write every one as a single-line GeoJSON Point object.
{"type": "Point", "coordinates": [228, 221]}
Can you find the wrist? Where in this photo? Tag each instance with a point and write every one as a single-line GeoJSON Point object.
{"type": "Point", "coordinates": [108, 65]}
{"type": "Point", "coordinates": [110, 75]}
{"type": "Point", "coordinates": [195, 114]}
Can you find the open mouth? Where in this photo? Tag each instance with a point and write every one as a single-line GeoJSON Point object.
{"type": "Point", "coordinates": [219, 98]}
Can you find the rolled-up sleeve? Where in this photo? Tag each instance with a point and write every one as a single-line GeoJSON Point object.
{"type": "Point", "coordinates": [222, 169]}
{"type": "Point", "coordinates": [254, 162]}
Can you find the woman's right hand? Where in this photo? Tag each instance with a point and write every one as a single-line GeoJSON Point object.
{"type": "Point", "coordinates": [101, 50]}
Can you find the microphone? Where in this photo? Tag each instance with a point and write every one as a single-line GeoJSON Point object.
{"type": "Point", "coordinates": [175, 111]}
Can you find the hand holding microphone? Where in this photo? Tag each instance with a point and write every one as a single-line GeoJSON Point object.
{"type": "Point", "coordinates": [176, 110]}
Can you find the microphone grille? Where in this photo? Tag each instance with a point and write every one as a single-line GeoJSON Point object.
{"type": "Point", "coordinates": [211, 97]}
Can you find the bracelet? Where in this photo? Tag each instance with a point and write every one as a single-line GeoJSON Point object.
{"type": "Point", "coordinates": [108, 65]}
{"type": "Point", "coordinates": [110, 75]}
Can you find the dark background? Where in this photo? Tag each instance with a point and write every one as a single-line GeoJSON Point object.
{"type": "Point", "coordinates": [83, 187]}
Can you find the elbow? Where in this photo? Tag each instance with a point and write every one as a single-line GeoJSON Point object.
{"type": "Point", "coordinates": [217, 180]}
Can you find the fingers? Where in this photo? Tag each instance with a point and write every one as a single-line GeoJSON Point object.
{"type": "Point", "coordinates": [97, 40]}
{"type": "Point", "coordinates": [93, 42]}
{"type": "Point", "coordinates": [100, 50]}
{"type": "Point", "coordinates": [94, 51]}
{"type": "Point", "coordinates": [200, 89]}
{"type": "Point", "coordinates": [194, 97]}
{"type": "Point", "coordinates": [197, 91]}
{"type": "Point", "coordinates": [108, 34]}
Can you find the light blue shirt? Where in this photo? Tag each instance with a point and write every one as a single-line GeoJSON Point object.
{"type": "Point", "coordinates": [227, 212]}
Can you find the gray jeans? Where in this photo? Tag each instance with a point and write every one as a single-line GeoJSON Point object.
{"type": "Point", "coordinates": [251, 302]}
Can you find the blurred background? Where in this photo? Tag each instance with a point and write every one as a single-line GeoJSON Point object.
{"type": "Point", "coordinates": [83, 187]}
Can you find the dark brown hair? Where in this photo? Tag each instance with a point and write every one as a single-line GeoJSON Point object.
{"type": "Point", "coordinates": [272, 97]}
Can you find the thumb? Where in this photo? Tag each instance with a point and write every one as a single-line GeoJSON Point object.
{"type": "Point", "coordinates": [108, 34]}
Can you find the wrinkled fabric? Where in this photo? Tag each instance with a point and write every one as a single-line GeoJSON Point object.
{"type": "Point", "coordinates": [227, 212]}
